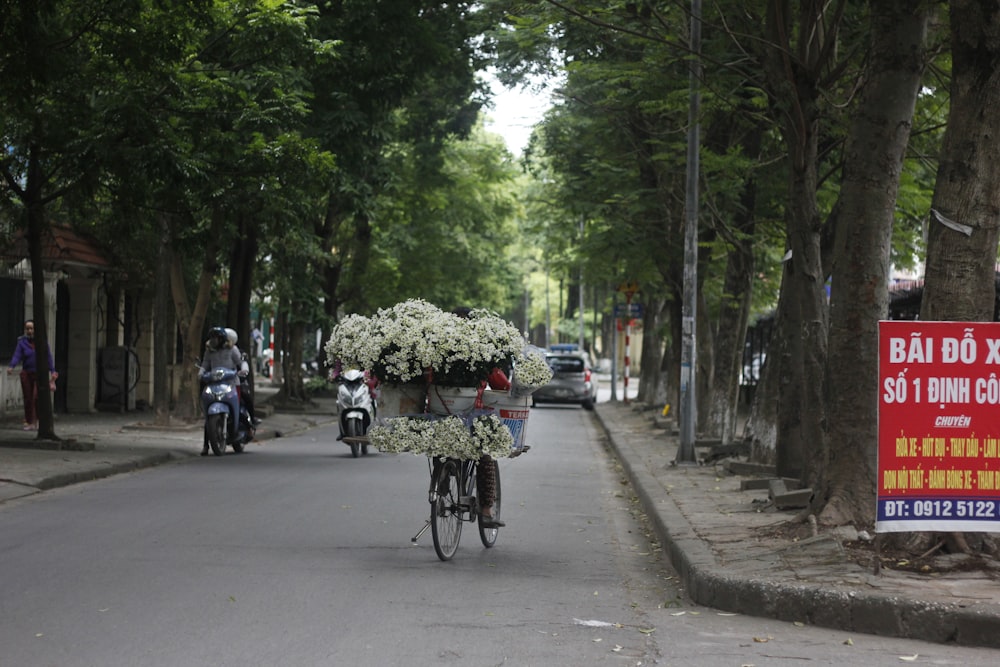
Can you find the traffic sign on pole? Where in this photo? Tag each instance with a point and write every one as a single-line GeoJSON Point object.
{"type": "Point", "coordinates": [630, 310]}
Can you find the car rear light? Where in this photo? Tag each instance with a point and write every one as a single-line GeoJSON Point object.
{"type": "Point", "coordinates": [586, 375]}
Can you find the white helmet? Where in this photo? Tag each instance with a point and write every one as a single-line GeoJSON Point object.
{"type": "Point", "coordinates": [232, 336]}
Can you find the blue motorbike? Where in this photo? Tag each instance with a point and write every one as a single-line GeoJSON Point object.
{"type": "Point", "coordinates": [227, 421]}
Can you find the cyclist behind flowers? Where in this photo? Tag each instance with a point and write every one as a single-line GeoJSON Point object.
{"type": "Point", "coordinates": [486, 470]}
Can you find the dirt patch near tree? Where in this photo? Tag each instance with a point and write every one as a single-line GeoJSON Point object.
{"type": "Point", "coordinates": [863, 552]}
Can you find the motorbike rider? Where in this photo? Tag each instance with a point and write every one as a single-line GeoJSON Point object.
{"type": "Point", "coordinates": [221, 351]}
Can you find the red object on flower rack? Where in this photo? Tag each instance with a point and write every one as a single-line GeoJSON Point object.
{"type": "Point", "coordinates": [513, 412]}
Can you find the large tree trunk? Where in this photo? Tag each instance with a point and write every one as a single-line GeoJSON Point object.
{"type": "Point", "coordinates": [960, 275]}
{"type": "Point", "coordinates": [651, 390]}
{"type": "Point", "coordinates": [191, 321]}
{"type": "Point", "coordinates": [961, 269]}
{"type": "Point", "coordinates": [761, 430]}
{"type": "Point", "coordinates": [737, 292]}
{"type": "Point", "coordinates": [161, 333]}
{"type": "Point", "coordinates": [242, 260]}
{"type": "Point", "coordinates": [844, 472]}
{"type": "Point", "coordinates": [36, 226]}
{"type": "Point", "coordinates": [734, 313]}
{"type": "Point", "coordinates": [797, 56]}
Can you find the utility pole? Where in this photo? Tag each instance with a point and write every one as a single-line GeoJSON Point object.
{"type": "Point", "coordinates": [689, 338]}
{"type": "Point", "coordinates": [580, 299]}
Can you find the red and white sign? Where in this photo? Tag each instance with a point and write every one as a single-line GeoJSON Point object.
{"type": "Point", "coordinates": [939, 427]}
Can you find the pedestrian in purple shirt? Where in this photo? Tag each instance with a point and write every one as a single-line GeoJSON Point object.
{"type": "Point", "coordinates": [24, 354]}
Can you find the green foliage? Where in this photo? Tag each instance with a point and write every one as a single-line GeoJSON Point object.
{"type": "Point", "coordinates": [343, 133]}
{"type": "Point", "coordinates": [448, 236]}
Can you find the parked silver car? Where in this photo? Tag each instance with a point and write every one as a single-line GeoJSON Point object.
{"type": "Point", "coordinates": [572, 382]}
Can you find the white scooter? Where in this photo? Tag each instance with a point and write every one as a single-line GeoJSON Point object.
{"type": "Point", "coordinates": [357, 410]}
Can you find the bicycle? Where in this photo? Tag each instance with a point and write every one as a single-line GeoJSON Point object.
{"type": "Point", "coordinates": [452, 496]}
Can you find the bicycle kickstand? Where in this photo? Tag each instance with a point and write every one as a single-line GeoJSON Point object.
{"type": "Point", "coordinates": [427, 524]}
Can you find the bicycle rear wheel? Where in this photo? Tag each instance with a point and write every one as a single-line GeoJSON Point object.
{"type": "Point", "coordinates": [446, 513]}
{"type": "Point", "coordinates": [489, 535]}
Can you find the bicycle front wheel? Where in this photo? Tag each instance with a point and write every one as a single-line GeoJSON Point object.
{"type": "Point", "coordinates": [446, 513]}
{"type": "Point", "coordinates": [489, 535]}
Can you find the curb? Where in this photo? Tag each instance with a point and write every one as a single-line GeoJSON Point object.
{"type": "Point", "coordinates": [68, 479]}
{"type": "Point", "coordinates": [710, 584]}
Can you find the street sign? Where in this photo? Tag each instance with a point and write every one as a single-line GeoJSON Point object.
{"type": "Point", "coordinates": [633, 310]}
{"type": "Point", "coordinates": [629, 288]}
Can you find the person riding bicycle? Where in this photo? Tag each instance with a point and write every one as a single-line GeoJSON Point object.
{"type": "Point", "coordinates": [486, 470]}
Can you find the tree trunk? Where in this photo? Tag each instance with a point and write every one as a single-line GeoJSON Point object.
{"type": "Point", "coordinates": [334, 266]}
{"type": "Point", "coordinates": [960, 276]}
{"type": "Point", "coordinates": [191, 321]}
{"type": "Point", "coordinates": [793, 72]}
{"type": "Point", "coordinates": [36, 226]}
{"type": "Point", "coordinates": [734, 313]}
{"type": "Point", "coordinates": [737, 293]}
{"type": "Point", "coordinates": [243, 259]}
{"type": "Point", "coordinates": [844, 471]}
{"type": "Point", "coordinates": [961, 269]}
{"type": "Point", "coordinates": [294, 384]}
{"type": "Point", "coordinates": [761, 429]}
{"type": "Point", "coordinates": [161, 334]}
{"type": "Point", "coordinates": [651, 390]}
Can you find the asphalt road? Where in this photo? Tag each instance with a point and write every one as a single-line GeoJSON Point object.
{"type": "Point", "coordinates": [296, 554]}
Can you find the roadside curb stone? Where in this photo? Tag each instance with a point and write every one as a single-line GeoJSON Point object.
{"type": "Point", "coordinates": [707, 534]}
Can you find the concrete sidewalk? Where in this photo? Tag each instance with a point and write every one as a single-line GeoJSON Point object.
{"type": "Point", "coordinates": [101, 444]}
{"type": "Point", "coordinates": [722, 539]}
{"type": "Point", "coordinates": [725, 544]}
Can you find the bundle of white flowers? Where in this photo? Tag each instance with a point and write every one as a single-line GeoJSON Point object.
{"type": "Point", "coordinates": [415, 340]}
{"type": "Point", "coordinates": [531, 371]}
{"type": "Point", "coordinates": [454, 437]}
{"type": "Point", "coordinates": [396, 343]}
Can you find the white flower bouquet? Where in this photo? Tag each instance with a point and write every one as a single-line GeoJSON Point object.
{"type": "Point", "coordinates": [456, 437]}
{"type": "Point", "coordinates": [398, 344]}
{"type": "Point", "coordinates": [531, 371]}
{"type": "Point", "coordinates": [416, 341]}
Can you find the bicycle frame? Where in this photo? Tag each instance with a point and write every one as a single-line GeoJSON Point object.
{"type": "Point", "coordinates": [452, 496]}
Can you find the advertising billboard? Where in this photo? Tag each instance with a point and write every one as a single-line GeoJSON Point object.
{"type": "Point", "coordinates": [939, 427]}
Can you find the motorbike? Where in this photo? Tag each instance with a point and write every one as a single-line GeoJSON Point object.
{"type": "Point", "coordinates": [357, 410]}
{"type": "Point", "coordinates": [227, 421]}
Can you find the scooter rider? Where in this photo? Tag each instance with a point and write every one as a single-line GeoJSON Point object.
{"type": "Point", "coordinates": [221, 351]}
